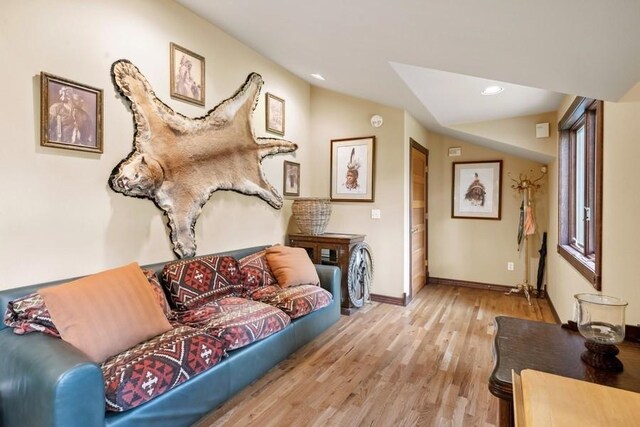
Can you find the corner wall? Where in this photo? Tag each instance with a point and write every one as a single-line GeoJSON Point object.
{"type": "Point", "coordinates": [337, 116]}
{"type": "Point", "coordinates": [473, 249]}
{"type": "Point", "coordinates": [59, 218]}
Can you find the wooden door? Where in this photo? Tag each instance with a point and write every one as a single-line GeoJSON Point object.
{"type": "Point", "coordinates": [419, 217]}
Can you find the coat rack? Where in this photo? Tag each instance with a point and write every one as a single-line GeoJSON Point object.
{"type": "Point", "coordinates": [527, 187]}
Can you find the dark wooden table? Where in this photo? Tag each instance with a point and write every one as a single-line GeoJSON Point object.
{"type": "Point", "coordinates": [331, 249]}
{"type": "Point", "coordinates": [524, 344]}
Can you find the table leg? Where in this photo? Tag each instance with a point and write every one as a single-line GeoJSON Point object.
{"type": "Point", "coordinates": [505, 413]}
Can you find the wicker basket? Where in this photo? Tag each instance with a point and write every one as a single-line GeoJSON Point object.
{"type": "Point", "coordinates": [311, 214]}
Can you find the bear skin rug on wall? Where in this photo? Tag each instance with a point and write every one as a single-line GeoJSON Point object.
{"type": "Point", "coordinates": [178, 162]}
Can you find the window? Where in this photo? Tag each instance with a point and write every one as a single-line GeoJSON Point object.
{"type": "Point", "coordinates": [580, 188]}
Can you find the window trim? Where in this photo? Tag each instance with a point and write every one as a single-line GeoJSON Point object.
{"type": "Point", "coordinates": [588, 265]}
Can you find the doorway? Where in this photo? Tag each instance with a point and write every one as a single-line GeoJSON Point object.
{"type": "Point", "coordinates": [419, 160]}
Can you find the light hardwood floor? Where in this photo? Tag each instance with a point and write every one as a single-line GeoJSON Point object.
{"type": "Point", "coordinates": [426, 364]}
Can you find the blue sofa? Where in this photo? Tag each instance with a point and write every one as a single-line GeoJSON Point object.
{"type": "Point", "coordinates": [46, 382]}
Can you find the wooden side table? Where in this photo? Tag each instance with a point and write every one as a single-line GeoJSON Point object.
{"type": "Point", "coordinates": [524, 344]}
{"type": "Point", "coordinates": [331, 249]}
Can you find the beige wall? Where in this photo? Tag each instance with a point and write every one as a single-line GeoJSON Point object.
{"type": "Point", "coordinates": [517, 131]}
{"type": "Point", "coordinates": [59, 218]}
{"type": "Point", "coordinates": [337, 116]}
{"type": "Point", "coordinates": [621, 233]}
{"type": "Point", "coordinates": [478, 250]}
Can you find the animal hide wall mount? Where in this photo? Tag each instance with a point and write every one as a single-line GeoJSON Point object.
{"type": "Point", "coordinates": [179, 162]}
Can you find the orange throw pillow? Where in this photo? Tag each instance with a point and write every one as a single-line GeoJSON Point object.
{"type": "Point", "coordinates": [106, 313]}
{"type": "Point", "coordinates": [292, 266]}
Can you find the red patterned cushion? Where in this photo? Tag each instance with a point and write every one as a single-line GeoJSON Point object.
{"type": "Point", "coordinates": [196, 281]}
{"type": "Point", "coordinates": [29, 314]}
{"type": "Point", "coordinates": [158, 292]}
{"type": "Point", "coordinates": [237, 321]}
{"type": "Point", "coordinates": [154, 367]}
{"type": "Point", "coordinates": [297, 301]}
{"type": "Point", "coordinates": [265, 294]}
{"type": "Point", "coordinates": [256, 273]}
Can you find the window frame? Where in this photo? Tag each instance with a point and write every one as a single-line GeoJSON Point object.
{"type": "Point", "coordinates": [587, 260]}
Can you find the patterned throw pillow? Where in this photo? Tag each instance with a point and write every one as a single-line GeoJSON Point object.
{"type": "Point", "coordinates": [196, 281]}
{"type": "Point", "coordinates": [236, 321]}
{"type": "Point", "coordinates": [154, 367]}
{"type": "Point", "coordinates": [29, 314]}
{"type": "Point", "coordinates": [298, 301]}
{"type": "Point", "coordinates": [158, 291]}
{"type": "Point", "coordinates": [256, 273]}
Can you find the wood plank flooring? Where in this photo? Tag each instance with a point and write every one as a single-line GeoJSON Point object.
{"type": "Point", "coordinates": [426, 364]}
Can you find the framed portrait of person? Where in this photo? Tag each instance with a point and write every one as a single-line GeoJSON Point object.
{"type": "Point", "coordinates": [477, 190]}
{"type": "Point", "coordinates": [70, 114]}
{"type": "Point", "coordinates": [274, 114]}
{"type": "Point", "coordinates": [187, 75]}
{"type": "Point", "coordinates": [291, 177]}
{"type": "Point", "coordinates": [353, 169]}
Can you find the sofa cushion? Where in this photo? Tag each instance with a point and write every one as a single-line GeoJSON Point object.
{"type": "Point", "coordinates": [158, 291]}
{"type": "Point", "coordinates": [154, 367]}
{"type": "Point", "coordinates": [196, 281]}
{"type": "Point", "coordinates": [256, 272]}
{"type": "Point", "coordinates": [106, 313]}
{"type": "Point", "coordinates": [237, 321]}
{"type": "Point", "coordinates": [298, 301]}
{"type": "Point", "coordinates": [291, 266]}
{"type": "Point", "coordinates": [29, 314]}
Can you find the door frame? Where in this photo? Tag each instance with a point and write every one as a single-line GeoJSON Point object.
{"type": "Point", "coordinates": [425, 151]}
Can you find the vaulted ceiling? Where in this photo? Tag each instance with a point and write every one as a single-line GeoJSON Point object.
{"type": "Point", "coordinates": [432, 57]}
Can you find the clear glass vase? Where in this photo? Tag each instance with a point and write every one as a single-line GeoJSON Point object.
{"type": "Point", "coordinates": [601, 320]}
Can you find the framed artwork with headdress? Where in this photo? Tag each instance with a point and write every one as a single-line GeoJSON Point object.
{"type": "Point", "coordinates": [477, 190]}
{"type": "Point", "coordinates": [353, 169]}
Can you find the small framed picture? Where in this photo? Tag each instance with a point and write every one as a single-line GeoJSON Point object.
{"type": "Point", "coordinates": [71, 114]}
{"type": "Point", "coordinates": [353, 169]}
{"type": "Point", "coordinates": [291, 176]}
{"type": "Point", "coordinates": [275, 114]}
{"type": "Point", "coordinates": [477, 190]}
{"type": "Point", "coordinates": [187, 75]}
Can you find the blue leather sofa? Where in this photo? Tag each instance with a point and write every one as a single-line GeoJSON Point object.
{"type": "Point", "coordinates": [46, 382]}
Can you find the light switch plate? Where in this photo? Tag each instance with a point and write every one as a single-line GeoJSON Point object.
{"type": "Point", "coordinates": [375, 213]}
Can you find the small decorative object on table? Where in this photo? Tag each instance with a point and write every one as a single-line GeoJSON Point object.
{"type": "Point", "coordinates": [601, 322]}
{"type": "Point", "coordinates": [311, 214]}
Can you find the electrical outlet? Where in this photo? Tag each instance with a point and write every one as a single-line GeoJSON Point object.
{"type": "Point", "coordinates": [375, 213]}
{"type": "Point", "coordinates": [510, 266]}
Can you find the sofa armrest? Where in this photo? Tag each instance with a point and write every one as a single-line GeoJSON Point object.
{"type": "Point", "coordinates": [45, 381]}
{"type": "Point", "coordinates": [330, 279]}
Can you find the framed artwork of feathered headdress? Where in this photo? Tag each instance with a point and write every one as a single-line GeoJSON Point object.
{"type": "Point", "coordinates": [353, 169]}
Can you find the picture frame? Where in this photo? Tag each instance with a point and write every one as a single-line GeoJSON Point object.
{"type": "Point", "coordinates": [187, 77]}
{"type": "Point", "coordinates": [476, 190]}
{"type": "Point", "coordinates": [70, 114]}
{"type": "Point", "coordinates": [353, 169]}
{"type": "Point", "coordinates": [291, 179]}
{"type": "Point", "coordinates": [275, 114]}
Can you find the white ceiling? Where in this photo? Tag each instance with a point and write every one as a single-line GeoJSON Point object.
{"type": "Point", "coordinates": [432, 57]}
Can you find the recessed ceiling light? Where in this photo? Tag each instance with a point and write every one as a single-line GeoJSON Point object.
{"type": "Point", "coordinates": [317, 76]}
{"type": "Point", "coordinates": [492, 90]}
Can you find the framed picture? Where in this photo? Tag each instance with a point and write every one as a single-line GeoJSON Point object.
{"type": "Point", "coordinates": [291, 177]}
{"type": "Point", "coordinates": [187, 75]}
{"type": "Point", "coordinates": [275, 114]}
{"type": "Point", "coordinates": [477, 190]}
{"type": "Point", "coordinates": [353, 169]}
{"type": "Point", "coordinates": [71, 114]}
